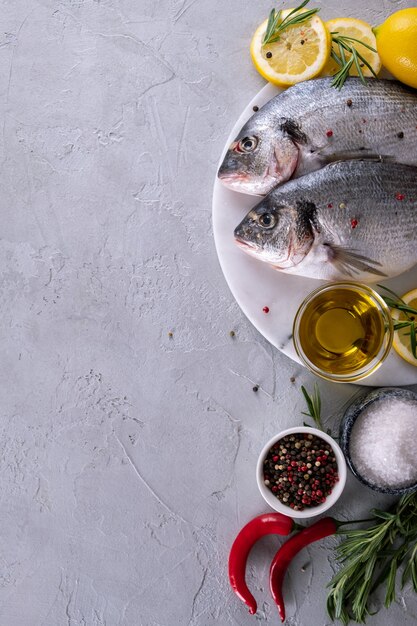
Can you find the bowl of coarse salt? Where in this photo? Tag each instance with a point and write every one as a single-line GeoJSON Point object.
{"type": "Point", "coordinates": [378, 434]}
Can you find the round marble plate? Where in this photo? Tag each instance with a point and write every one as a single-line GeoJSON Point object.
{"type": "Point", "coordinates": [255, 284]}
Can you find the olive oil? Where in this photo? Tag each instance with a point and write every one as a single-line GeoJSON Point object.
{"type": "Point", "coordinates": [341, 330]}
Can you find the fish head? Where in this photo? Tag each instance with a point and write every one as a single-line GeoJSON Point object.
{"type": "Point", "coordinates": [274, 233]}
{"type": "Point", "coordinates": [259, 159]}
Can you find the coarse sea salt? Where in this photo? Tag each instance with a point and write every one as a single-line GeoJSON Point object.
{"type": "Point", "coordinates": [382, 443]}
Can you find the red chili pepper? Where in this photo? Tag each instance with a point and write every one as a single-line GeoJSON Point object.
{"type": "Point", "coordinates": [323, 528]}
{"type": "Point", "coordinates": [267, 524]}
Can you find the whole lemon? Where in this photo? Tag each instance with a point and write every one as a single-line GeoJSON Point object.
{"type": "Point", "coordinates": [396, 41]}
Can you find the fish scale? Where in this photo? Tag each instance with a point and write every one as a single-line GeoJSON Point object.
{"type": "Point", "coordinates": [350, 219]}
{"type": "Point", "coordinates": [313, 124]}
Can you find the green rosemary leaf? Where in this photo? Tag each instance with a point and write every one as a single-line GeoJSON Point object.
{"type": "Point", "coordinates": [313, 405]}
{"type": "Point", "coordinates": [330, 607]}
{"type": "Point", "coordinates": [368, 65]}
{"type": "Point", "coordinates": [340, 77]}
{"type": "Point", "coordinates": [399, 325]}
{"type": "Point", "coordinates": [405, 308]}
{"type": "Point", "coordinates": [273, 20]}
{"type": "Point", "coordinates": [308, 400]}
{"type": "Point", "coordinates": [414, 575]}
{"type": "Point", "coordinates": [342, 52]}
{"type": "Point", "coordinates": [413, 340]}
{"type": "Point", "coordinates": [396, 296]}
{"type": "Point", "coordinates": [398, 303]}
{"type": "Point", "coordinates": [390, 593]}
{"type": "Point", "coordinates": [347, 38]}
{"type": "Point", "coordinates": [268, 30]}
{"type": "Point", "coordinates": [335, 57]}
{"type": "Point", "coordinates": [382, 514]}
{"type": "Point", "coordinates": [407, 573]}
{"type": "Point", "coordinates": [276, 26]}
{"type": "Point", "coordinates": [347, 44]}
{"type": "Point", "coordinates": [358, 67]}
{"type": "Point", "coordinates": [317, 399]}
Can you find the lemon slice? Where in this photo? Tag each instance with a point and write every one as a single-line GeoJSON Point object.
{"type": "Point", "coordinates": [351, 27]}
{"type": "Point", "coordinates": [401, 341]}
{"type": "Point", "coordinates": [299, 54]}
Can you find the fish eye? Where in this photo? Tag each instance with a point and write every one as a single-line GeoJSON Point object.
{"type": "Point", "coordinates": [267, 220]}
{"type": "Point", "coordinates": [247, 144]}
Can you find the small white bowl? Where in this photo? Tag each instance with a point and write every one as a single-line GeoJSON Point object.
{"type": "Point", "coordinates": [310, 511]}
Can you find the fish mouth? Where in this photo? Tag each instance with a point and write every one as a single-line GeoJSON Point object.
{"type": "Point", "coordinates": [230, 178]}
{"type": "Point", "coordinates": [245, 245]}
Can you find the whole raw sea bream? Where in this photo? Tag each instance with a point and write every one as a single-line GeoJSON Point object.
{"type": "Point", "coordinates": [312, 124]}
{"type": "Point", "coordinates": [350, 219]}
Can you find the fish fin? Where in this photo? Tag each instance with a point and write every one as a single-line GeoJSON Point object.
{"type": "Point", "coordinates": [293, 130]}
{"type": "Point", "coordinates": [358, 155]}
{"type": "Point", "coordinates": [350, 262]}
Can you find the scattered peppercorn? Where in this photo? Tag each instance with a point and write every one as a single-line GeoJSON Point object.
{"type": "Point", "coordinates": [330, 205]}
{"type": "Point", "coordinates": [232, 333]}
{"type": "Point", "coordinates": [290, 482]}
{"type": "Point", "coordinates": [329, 133]}
{"type": "Point", "coordinates": [400, 196]}
{"type": "Point", "coordinates": [255, 108]}
{"type": "Point", "coordinates": [269, 55]}
{"type": "Point", "coordinates": [266, 309]}
{"type": "Point", "coordinates": [349, 102]}
{"type": "Point", "coordinates": [170, 334]}
{"type": "Point", "coordinates": [353, 223]}
{"type": "Point", "coordinates": [400, 135]}
{"type": "Point", "coordinates": [302, 42]}
{"type": "Point", "coordinates": [342, 205]}
{"type": "Point", "coordinates": [255, 388]}
{"type": "Point", "coordinates": [292, 379]}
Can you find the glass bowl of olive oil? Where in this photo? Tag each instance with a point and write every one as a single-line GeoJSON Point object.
{"type": "Point", "coordinates": [343, 331]}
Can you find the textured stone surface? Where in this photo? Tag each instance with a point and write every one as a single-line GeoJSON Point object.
{"type": "Point", "coordinates": [127, 457]}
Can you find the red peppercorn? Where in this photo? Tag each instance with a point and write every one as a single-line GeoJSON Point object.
{"type": "Point", "coordinates": [353, 223]}
{"type": "Point", "coordinates": [329, 133]}
{"type": "Point", "coordinates": [400, 196]}
{"type": "Point", "coordinates": [330, 205]}
{"type": "Point", "coordinates": [294, 463]}
{"type": "Point", "coordinates": [275, 458]}
{"type": "Point", "coordinates": [266, 309]}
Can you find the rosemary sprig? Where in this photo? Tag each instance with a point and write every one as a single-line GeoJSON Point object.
{"type": "Point", "coordinates": [276, 26]}
{"type": "Point", "coordinates": [313, 405]}
{"type": "Point", "coordinates": [347, 44]}
{"type": "Point", "coordinates": [371, 557]}
{"type": "Point", "coordinates": [395, 302]}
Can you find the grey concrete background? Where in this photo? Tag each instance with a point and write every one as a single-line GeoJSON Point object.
{"type": "Point", "coordinates": [127, 457]}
